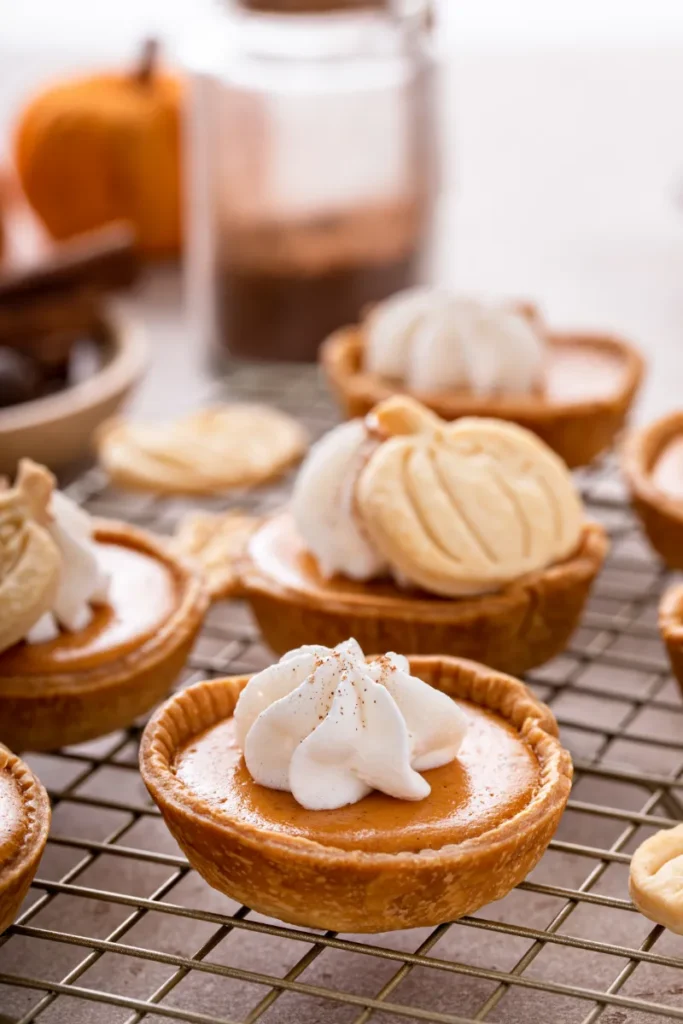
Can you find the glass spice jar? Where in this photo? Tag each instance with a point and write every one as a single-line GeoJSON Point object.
{"type": "Point", "coordinates": [312, 168]}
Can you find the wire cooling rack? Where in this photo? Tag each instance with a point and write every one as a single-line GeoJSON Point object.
{"type": "Point", "coordinates": [119, 930]}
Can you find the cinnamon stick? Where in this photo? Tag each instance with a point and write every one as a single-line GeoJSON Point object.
{"type": "Point", "coordinates": [102, 259]}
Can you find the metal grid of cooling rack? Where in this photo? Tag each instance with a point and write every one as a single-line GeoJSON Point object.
{"type": "Point", "coordinates": [119, 930]}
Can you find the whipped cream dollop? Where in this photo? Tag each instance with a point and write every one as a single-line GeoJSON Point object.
{"type": "Point", "coordinates": [433, 341]}
{"type": "Point", "coordinates": [82, 580]}
{"type": "Point", "coordinates": [329, 727]}
{"type": "Point", "coordinates": [323, 504]}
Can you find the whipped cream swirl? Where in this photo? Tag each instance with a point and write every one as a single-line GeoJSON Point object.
{"type": "Point", "coordinates": [329, 727]}
{"type": "Point", "coordinates": [82, 581]}
{"type": "Point", "coordinates": [433, 341]}
{"type": "Point", "coordinates": [323, 504]}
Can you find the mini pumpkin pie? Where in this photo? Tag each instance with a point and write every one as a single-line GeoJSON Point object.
{"type": "Point", "coordinates": [337, 793]}
{"type": "Point", "coordinates": [652, 461]}
{"type": "Point", "coordinates": [464, 358]}
{"type": "Point", "coordinates": [24, 825]}
{"type": "Point", "coordinates": [103, 640]}
{"type": "Point", "coordinates": [671, 629]}
{"type": "Point", "coordinates": [408, 532]}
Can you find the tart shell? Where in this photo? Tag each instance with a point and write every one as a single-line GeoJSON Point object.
{"type": "Point", "coordinates": [671, 629]}
{"type": "Point", "coordinates": [661, 515]}
{"type": "Point", "coordinates": [523, 626]}
{"type": "Point", "coordinates": [18, 870]}
{"type": "Point", "coordinates": [303, 882]}
{"type": "Point", "coordinates": [577, 430]}
{"type": "Point", "coordinates": [45, 712]}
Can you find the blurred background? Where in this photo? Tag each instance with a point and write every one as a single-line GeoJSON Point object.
{"type": "Point", "coordinates": [558, 176]}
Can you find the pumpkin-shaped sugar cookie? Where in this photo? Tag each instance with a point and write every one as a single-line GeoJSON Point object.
{"type": "Point", "coordinates": [212, 450]}
{"type": "Point", "coordinates": [467, 507]}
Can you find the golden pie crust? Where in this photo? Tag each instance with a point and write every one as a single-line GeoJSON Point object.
{"type": "Point", "coordinates": [661, 514]}
{"type": "Point", "coordinates": [24, 826]}
{"type": "Point", "coordinates": [306, 882]}
{"type": "Point", "coordinates": [522, 626]}
{"type": "Point", "coordinates": [45, 711]}
{"type": "Point", "coordinates": [577, 430]}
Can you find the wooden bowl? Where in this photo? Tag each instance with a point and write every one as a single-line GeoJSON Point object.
{"type": "Point", "coordinates": [58, 429]}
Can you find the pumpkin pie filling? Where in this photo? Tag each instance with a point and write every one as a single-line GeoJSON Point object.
{"type": "Point", "coordinates": [574, 370]}
{"type": "Point", "coordinates": [579, 373]}
{"type": "Point", "coordinates": [667, 471]}
{"type": "Point", "coordinates": [277, 551]}
{"type": "Point", "coordinates": [494, 776]}
{"type": "Point", "coordinates": [13, 820]}
{"type": "Point", "coordinates": [142, 596]}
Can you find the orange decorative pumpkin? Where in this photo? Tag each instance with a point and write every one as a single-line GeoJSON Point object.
{"type": "Point", "coordinates": [3, 202]}
{"type": "Point", "coordinates": [106, 148]}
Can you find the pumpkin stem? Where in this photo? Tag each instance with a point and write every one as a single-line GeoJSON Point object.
{"type": "Point", "coordinates": [148, 61]}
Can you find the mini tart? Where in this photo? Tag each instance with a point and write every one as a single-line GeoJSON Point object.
{"type": "Point", "coordinates": [368, 867]}
{"type": "Point", "coordinates": [671, 629]}
{"type": "Point", "coordinates": [520, 627]}
{"type": "Point", "coordinates": [24, 825]}
{"type": "Point", "coordinates": [660, 513]}
{"type": "Point", "coordinates": [87, 684]}
{"type": "Point", "coordinates": [578, 429]}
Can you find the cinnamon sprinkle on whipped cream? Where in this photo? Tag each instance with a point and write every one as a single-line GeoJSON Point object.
{"type": "Point", "coordinates": [329, 727]}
